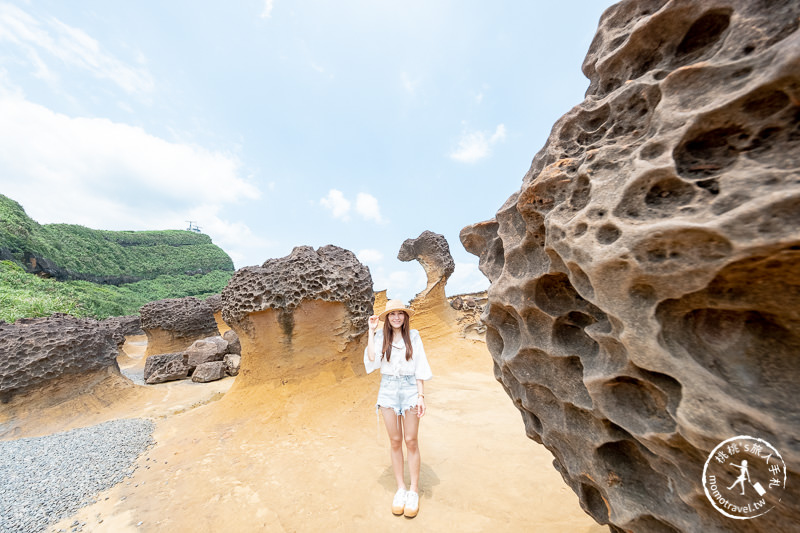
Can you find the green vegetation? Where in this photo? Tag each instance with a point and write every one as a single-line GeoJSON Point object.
{"type": "Point", "coordinates": [140, 254]}
{"type": "Point", "coordinates": [161, 260]}
{"type": "Point", "coordinates": [27, 295]}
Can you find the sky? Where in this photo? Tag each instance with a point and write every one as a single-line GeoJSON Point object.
{"type": "Point", "coordinates": [276, 123]}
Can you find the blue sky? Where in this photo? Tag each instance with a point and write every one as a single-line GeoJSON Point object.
{"type": "Point", "coordinates": [277, 123]}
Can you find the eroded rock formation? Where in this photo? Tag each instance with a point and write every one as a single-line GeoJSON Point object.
{"type": "Point", "coordinates": [173, 324]}
{"type": "Point", "coordinates": [299, 315]}
{"type": "Point", "coordinates": [435, 316]}
{"type": "Point", "coordinates": [644, 281]}
{"type": "Point", "coordinates": [34, 351]}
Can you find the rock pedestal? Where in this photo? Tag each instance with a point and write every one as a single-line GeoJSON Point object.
{"type": "Point", "coordinates": [644, 281]}
{"type": "Point", "coordinates": [173, 324]}
{"type": "Point", "coordinates": [299, 315]}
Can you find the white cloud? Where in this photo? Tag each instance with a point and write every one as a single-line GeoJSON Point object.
{"type": "Point", "coordinates": [409, 84]}
{"type": "Point", "coordinates": [369, 256]}
{"type": "Point", "coordinates": [367, 206]}
{"type": "Point", "coordinates": [476, 145]}
{"type": "Point", "coordinates": [108, 175]}
{"type": "Point", "coordinates": [337, 204]}
{"type": "Point", "coordinates": [267, 12]}
{"type": "Point", "coordinates": [71, 46]}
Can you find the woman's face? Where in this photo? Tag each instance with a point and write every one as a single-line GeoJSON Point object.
{"type": "Point", "coordinates": [396, 318]}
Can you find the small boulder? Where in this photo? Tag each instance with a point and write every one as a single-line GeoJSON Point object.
{"type": "Point", "coordinates": [211, 371]}
{"type": "Point", "coordinates": [234, 346]}
{"type": "Point", "coordinates": [232, 363]}
{"type": "Point", "coordinates": [165, 367]}
{"type": "Point", "coordinates": [206, 350]}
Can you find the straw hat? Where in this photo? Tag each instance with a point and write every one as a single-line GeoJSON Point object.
{"type": "Point", "coordinates": [395, 305]}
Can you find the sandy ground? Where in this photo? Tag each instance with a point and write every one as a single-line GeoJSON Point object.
{"type": "Point", "coordinates": [310, 456]}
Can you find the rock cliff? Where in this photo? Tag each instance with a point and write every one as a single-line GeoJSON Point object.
{"type": "Point", "coordinates": [644, 281]}
{"type": "Point", "coordinates": [299, 315]}
{"type": "Point", "coordinates": [173, 324]}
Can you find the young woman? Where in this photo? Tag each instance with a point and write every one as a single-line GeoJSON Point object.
{"type": "Point", "coordinates": [397, 350]}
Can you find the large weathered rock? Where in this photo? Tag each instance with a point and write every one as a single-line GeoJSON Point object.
{"type": "Point", "coordinates": [644, 301]}
{"type": "Point", "coordinates": [210, 371]}
{"type": "Point", "coordinates": [206, 350]}
{"type": "Point", "coordinates": [234, 346]}
{"type": "Point", "coordinates": [34, 351]}
{"type": "Point", "coordinates": [299, 315]}
{"type": "Point", "coordinates": [166, 367]}
{"type": "Point", "coordinates": [172, 325]}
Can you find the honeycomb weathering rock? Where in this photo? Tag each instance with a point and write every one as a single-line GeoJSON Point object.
{"type": "Point", "coordinates": [433, 253]}
{"type": "Point", "coordinates": [645, 280]}
{"type": "Point", "coordinates": [298, 315]}
{"type": "Point", "coordinates": [173, 324]}
{"type": "Point", "coordinates": [34, 351]}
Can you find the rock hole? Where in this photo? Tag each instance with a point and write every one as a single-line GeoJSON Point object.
{"type": "Point", "coordinates": [636, 405]}
{"type": "Point", "coordinates": [569, 335]}
{"type": "Point", "coordinates": [706, 30]}
{"type": "Point", "coordinates": [708, 153]}
{"type": "Point", "coordinates": [711, 185]}
{"type": "Point", "coordinates": [593, 503]}
{"type": "Point", "coordinates": [651, 151]}
{"type": "Point", "coordinates": [555, 295]}
{"type": "Point", "coordinates": [669, 193]}
{"type": "Point", "coordinates": [608, 233]}
{"type": "Point", "coordinates": [580, 229]}
{"type": "Point", "coordinates": [766, 103]}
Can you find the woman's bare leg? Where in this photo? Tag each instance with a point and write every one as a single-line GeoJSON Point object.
{"type": "Point", "coordinates": [396, 441]}
{"type": "Point", "coordinates": [411, 429]}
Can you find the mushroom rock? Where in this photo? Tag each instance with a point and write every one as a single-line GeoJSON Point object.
{"type": "Point", "coordinates": [37, 351]}
{"type": "Point", "coordinates": [215, 302]}
{"type": "Point", "coordinates": [300, 315]}
{"type": "Point", "coordinates": [644, 301]}
{"type": "Point", "coordinates": [173, 324]}
{"type": "Point", "coordinates": [434, 316]}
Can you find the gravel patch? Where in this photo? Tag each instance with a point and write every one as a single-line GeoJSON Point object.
{"type": "Point", "coordinates": [137, 376]}
{"type": "Point", "coordinates": [45, 479]}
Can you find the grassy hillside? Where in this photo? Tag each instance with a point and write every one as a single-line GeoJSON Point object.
{"type": "Point", "coordinates": [27, 295]}
{"type": "Point", "coordinates": [83, 253]}
{"type": "Point", "coordinates": [102, 273]}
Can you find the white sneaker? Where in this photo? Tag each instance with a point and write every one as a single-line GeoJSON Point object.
{"type": "Point", "coordinates": [412, 504]}
{"type": "Point", "coordinates": [398, 503]}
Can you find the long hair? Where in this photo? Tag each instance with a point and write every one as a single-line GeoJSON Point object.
{"type": "Point", "coordinates": [388, 334]}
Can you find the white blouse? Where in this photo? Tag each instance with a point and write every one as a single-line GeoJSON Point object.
{"type": "Point", "coordinates": [398, 366]}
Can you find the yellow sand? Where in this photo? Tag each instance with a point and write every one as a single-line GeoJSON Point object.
{"type": "Point", "coordinates": [304, 456]}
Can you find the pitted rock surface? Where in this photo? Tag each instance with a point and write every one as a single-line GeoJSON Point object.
{"type": "Point", "coordinates": [432, 252]}
{"type": "Point", "coordinates": [330, 274]}
{"type": "Point", "coordinates": [215, 302]}
{"type": "Point", "coordinates": [34, 351]}
{"type": "Point", "coordinates": [122, 326]}
{"type": "Point", "coordinates": [644, 302]}
{"type": "Point", "coordinates": [166, 367]}
{"type": "Point", "coordinates": [174, 323]}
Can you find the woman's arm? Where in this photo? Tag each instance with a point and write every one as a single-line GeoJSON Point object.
{"type": "Point", "coordinates": [373, 325]}
{"type": "Point", "coordinates": [420, 398]}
